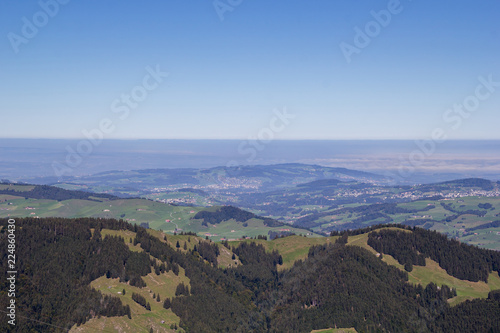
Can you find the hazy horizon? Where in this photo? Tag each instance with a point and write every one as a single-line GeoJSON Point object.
{"type": "Point", "coordinates": [27, 158]}
{"type": "Point", "coordinates": [393, 85]}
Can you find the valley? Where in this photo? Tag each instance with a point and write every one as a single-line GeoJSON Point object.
{"type": "Point", "coordinates": [305, 199]}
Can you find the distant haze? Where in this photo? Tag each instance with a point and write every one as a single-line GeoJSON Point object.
{"type": "Point", "coordinates": [22, 159]}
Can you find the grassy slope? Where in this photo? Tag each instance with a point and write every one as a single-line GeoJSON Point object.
{"type": "Point", "coordinates": [224, 259]}
{"type": "Point", "coordinates": [142, 210]}
{"type": "Point", "coordinates": [135, 211]}
{"type": "Point", "coordinates": [335, 330]}
{"type": "Point", "coordinates": [291, 248]}
{"type": "Point", "coordinates": [142, 320]}
{"type": "Point", "coordinates": [127, 235]}
{"type": "Point", "coordinates": [235, 230]}
{"type": "Point", "coordinates": [432, 272]}
{"type": "Point", "coordinates": [486, 238]}
{"type": "Point", "coordinates": [17, 188]}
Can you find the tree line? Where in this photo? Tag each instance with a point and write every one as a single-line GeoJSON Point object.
{"type": "Point", "coordinates": [226, 213]}
{"type": "Point", "coordinates": [56, 193]}
{"type": "Point", "coordinates": [460, 260]}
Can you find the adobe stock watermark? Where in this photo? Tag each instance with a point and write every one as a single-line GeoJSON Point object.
{"type": "Point", "coordinates": [363, 37]}
{"type": "Point", "coordinates": [223, 6]}
{"type": "Point", "coordinates": [30, 27]}
{"type": "Point", "coordinates": [453, 117]}
{"type": "Point", "coordinates": [250, 148]}
{"type": "Point", "coordinates": [11, 271]}
{"type": "Point", "coordinates": [121, 107]}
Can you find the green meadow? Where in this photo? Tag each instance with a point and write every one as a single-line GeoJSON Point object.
{"type": "Point", "coordinates": [432, 272]}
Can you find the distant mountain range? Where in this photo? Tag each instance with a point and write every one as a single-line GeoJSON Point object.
{"type": "Point", "coordinates": [243, 178]}
{"type": "Point", "coordinates": [27, 159]}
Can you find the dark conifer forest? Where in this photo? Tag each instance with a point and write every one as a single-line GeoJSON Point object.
{"type": "Point", "coordinates": [462, 261]}
{"type": "Point", "coordinates": [229, 212]}
{"type": "Point", "coordinates": [337, 285]}
{"type": "Point", "coordinates": [56, 193]}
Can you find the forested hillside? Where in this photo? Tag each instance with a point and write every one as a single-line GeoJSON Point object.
{"type": "Point", "coordinates": [226, 213]}
{"type": "Point", "coordinates": [56, 259]}
{"type": "Point", "coordinates": [463, 261]}
{"type": "Point", "coordinates": [51, 193]}
{"type": "Point", "coordinates": [336, 285]}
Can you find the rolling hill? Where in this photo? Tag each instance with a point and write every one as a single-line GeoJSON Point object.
{"type": "Point", "coordinates": [27, 201]}
{"type": "Point", "coordinates": [465, 209]}
{"type": "Point", "coordinates": [242, 178]}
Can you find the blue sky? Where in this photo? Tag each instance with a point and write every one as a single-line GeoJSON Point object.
{"type": "Point", "coordinates": [226, 78]}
